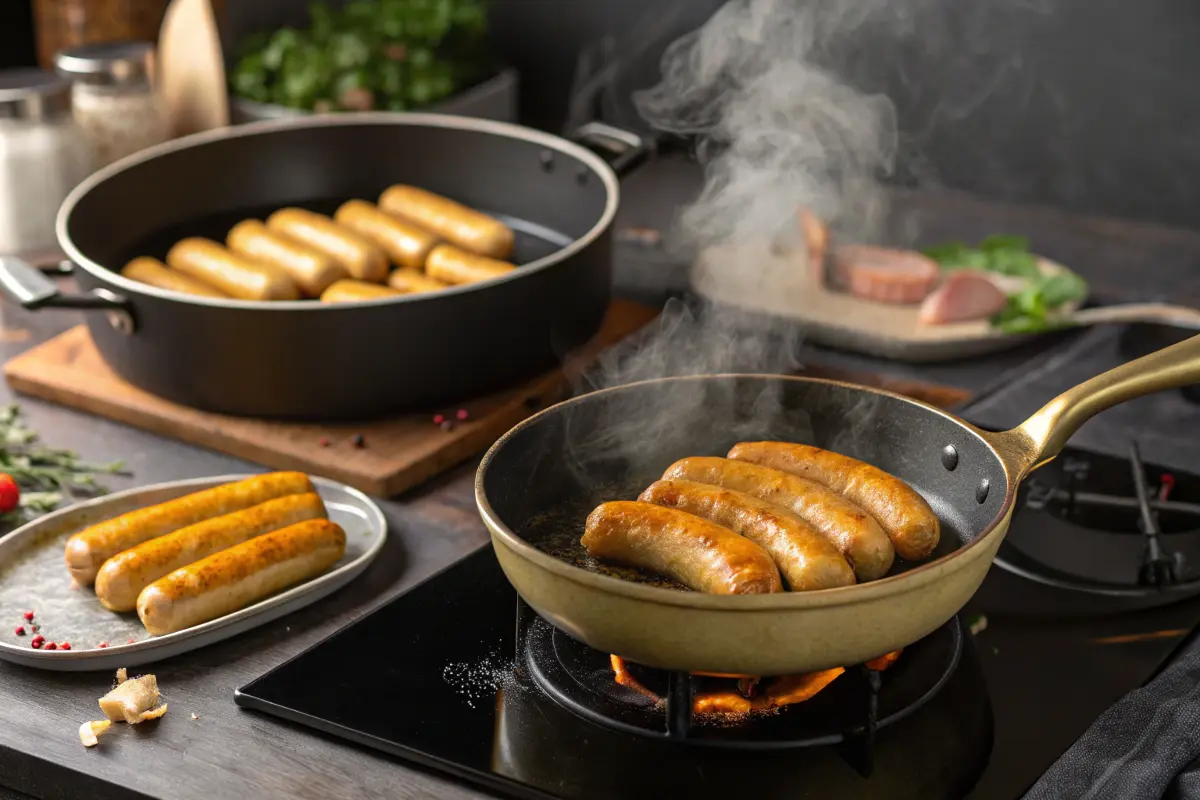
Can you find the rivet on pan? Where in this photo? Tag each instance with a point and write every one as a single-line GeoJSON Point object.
{"type": "Point", "coordinates": [981, 493]}
{"type": "Point", "coordinates": [949, 457]}
{"type": "Point", "coordinates": [581, 177]}
{"type": "Point", "coordinates": [547, 159]}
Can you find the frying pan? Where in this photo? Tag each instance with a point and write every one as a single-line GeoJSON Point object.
{"type": "Point", "coordinates": [537, 484]}
{"type": "Point", "coordinates": [316, 361]}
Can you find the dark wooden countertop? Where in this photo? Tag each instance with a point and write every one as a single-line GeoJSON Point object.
{"type": "Point", "coordinates": [228, 752]}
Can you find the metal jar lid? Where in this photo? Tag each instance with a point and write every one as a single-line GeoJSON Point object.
{"type": "Point", "coordinates": [33, 94]}
{"type": "Point", "coordinates": [107, 63]}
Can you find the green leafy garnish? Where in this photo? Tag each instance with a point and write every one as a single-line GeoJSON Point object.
{"type": "Point", "coordinates": [46, 476]}
{"type": "Point", "coordinates": [370, 54]}
{"type": "Point", "coordinates": [1030, 309]}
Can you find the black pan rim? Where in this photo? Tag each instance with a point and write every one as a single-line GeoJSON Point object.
{"type": "Point", "coordinates": [902, 583]}
{"type": "Point", "coordinates": [114, 278]}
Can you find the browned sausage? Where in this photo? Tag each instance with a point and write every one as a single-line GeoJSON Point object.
{"type": "Point", "coordinates": [205, 260]}
{"type": "Point", "coordinates": [350, 291]}
{"type": "Point", "coordinates": [312, 270]}
{"type": "Point", "coordinates": [806, 559]}
{"type": "Point", "coordinates": [405, 244]}
{"type": "Point", "coordinates": [904, 515]}
{"type": "Point", "coordinates": [360, 257]}
{"type": "Point", "coordinates": [153, 272]}
{"type": "Point", "coordinates": [454, 222]}
{"type": "Point", "coordinates": [411, 281]}
{"type": "Point", "coordinates": [87, 550]}
{"type": "Point", "coordinates": [239, 576]}
{"type": "Point", "coordinates": [899, 277]}
{"type": "Point", "coordinates": [850, 529]}
{"type": "Point", "coordinates": [448, 264]}
{"type": "Point", "coordinates": [122, 577]}
{"type": "Point", "coordinates": [699, 554]}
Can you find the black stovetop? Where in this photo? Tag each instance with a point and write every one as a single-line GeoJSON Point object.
{"type": "Point", "coordinates": [435, 677]}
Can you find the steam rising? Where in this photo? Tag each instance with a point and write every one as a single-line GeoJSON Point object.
{"type": "Point", "coordinates": [778, 128]}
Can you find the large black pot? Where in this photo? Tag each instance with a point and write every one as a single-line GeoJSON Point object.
{"type": "Point", "coordinates": [308, 360]}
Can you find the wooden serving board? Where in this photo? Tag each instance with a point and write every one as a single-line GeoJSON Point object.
{"type": "Point", "coordinates": [398, 453]}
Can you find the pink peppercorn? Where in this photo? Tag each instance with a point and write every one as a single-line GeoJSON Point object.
{"type": "Point", "coordinates": [36, 642]}
{"type": "Point", "coordinates": [438, 419]}
{"type": "Point", "coordinates": [28, 616]}
{"type": "Point", "coordinates": [50, 646]}
{"type": "Point", "coordinates": [102, 644]}
{"type": "Point", "coordinates": [461, 415]}
{"type": "Point", "coordinates": [64, 646]}
{"type": "Point", "coordinates": [20, 630]}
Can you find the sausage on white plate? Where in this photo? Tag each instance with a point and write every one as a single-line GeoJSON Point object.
{"type": "Point", "coordinates": [87, 550]}
{"type": "Point", "coordinates": [900, 277]}
{"type": "Point", "coordinates": [240, 576]}
{"type": "Point", "coordinates": [122, 577]}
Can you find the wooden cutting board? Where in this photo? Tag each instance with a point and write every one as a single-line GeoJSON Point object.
{"type": "Point", "coordinates": [398, 453]}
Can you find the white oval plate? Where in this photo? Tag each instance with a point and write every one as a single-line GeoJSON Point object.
{"type": "Point", "coordinates": [34, 577]}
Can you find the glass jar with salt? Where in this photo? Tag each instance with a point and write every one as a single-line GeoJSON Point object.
{"type": "Point", "coordinates": [44, 154]}
{"type": "Point", "coordinates": [114, 97]}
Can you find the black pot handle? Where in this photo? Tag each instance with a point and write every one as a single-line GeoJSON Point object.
{"type": "Point", "coordinates": [26, 286]}
{"type": "Point", "coordinates": [623, 150]}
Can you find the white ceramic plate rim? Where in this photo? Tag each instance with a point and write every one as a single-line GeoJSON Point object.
{"type": "Point", "coordinates": [375, 518]}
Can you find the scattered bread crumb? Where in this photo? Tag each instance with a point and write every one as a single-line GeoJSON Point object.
{"type": "Point", "coordinates": [133, 700]}
{"type": "Point", "coordinates": [89, 731]}
{"type": "Point", "coordinates": [194, 716]}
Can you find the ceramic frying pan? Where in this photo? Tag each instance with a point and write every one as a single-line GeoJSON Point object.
{"type": "Point", "coordinates": [537, 484]}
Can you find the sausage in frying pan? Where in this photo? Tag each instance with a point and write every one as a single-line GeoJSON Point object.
{"type": "Point", "coordinates": [805, 558]}
{"type": "Point", "coordinates": [87, 550]}
{"type": "Point", "coordinates": [850, 529]}
{"type": "Point", "coordinates": [153, 272]}
{"type": "Point", "coordinates": [699, 554]}
{"type": "Point", "coordinates": [351, 291]}
{"type": "Point", "coordinates": [904, 515]}
{"type": "Point", "coordinates": [454, 222]}
{"type": "Point", "coordinates": [243, 574]}
{"type": "Point", "coordinates": [205, 260]}
{"type": "Point", "coordinates": [123, 576]}
{"type": "Point", "coordinates": [449, 264]}
{"type": "Point", "coordinates": [361, 257]}
{"type": "Point", "coordinates": [412, 281]}
{"type": "Point", "coordinates": [312, 270]}
{"type": "Point", "coordinates": [406, 244]}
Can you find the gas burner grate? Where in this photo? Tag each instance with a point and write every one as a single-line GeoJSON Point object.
{"type": "Point", "coordinates": [1108, 526]}
{"type": "Point", "coordinates": [847, 713]}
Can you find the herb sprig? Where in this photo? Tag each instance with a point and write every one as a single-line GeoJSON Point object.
{"type": "Point", "coordinates": [46, 476]}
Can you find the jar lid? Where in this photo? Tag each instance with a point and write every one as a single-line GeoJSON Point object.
{"type": "Point", "coordinates": [107, 63]}
{"type": "Point", "coordinates": [29, 93]}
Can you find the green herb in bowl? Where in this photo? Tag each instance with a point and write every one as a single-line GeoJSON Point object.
{"type": "Point", "coordinates": [1038, 293]}
{"type": "Point", "coordinates": [394, 55]}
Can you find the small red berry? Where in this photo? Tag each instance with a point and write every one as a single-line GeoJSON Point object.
{"type": "Point", "coordinates": [10, 493]}
{"type": "Point", "coordinates": [20, 630]}
{"type": "Point", "coordinates": [461, 415]}
{"type": "Point", "coordinates": [28, 616]}
{"type": "Point", "coordinates": [102, 644]}
{"type": "Point", "coordinates": [131, 641]}
{"type": "Point", "coordinates": [51, 646]}
{"type": "Point", "coordinates": [36, 642]}
{"type": "Point", "coordinates": [64, 646]}
{"type": "Point", "coordinates": [324, 441]}
{"type": "Point", "coordinates": [36, 627]}
{"type": "Point", "coordinates": [438, 419]}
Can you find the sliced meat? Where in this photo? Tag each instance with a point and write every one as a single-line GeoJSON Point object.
{"type": "Point", "coordinates": [964, 295]}
{"type": "Point", "coordinates": [900, 277]}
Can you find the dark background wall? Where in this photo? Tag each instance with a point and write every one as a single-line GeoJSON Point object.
{"type": "Point", "coordinates": [1085, 104]}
